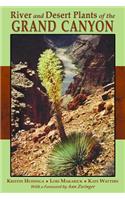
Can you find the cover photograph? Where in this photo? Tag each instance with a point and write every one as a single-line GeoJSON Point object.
{"type": "Point", "coordinates": [62, 99]}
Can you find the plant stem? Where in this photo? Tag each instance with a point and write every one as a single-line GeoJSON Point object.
{"type": "Point", "coordinates": [60, 123]}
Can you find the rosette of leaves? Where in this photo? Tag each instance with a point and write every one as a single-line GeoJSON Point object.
{"type": "Point", "coordinates": [51, 75]}
{"type": "Point", "coordinates": [77, 150]}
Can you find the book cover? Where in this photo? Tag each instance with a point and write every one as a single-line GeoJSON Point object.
{"type": "Point", "coordinates": [62, 99]}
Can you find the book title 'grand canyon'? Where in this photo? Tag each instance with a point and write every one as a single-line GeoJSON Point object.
{"type": "Point", "coordinates": [71, 22]}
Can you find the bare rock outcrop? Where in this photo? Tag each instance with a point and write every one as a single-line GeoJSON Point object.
{"type": "Point", "coordinates": [29, 102]}
{"type": "Point", "coordinates": [94, 56]}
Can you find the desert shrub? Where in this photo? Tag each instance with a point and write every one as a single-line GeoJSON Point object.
{"type": "Point", "coordinates": [78, 149]}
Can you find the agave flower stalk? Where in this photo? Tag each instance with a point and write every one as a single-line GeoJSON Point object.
{"type": "Point", "coordinates": [50, 74]}
{"type": "Point", "coordinates": [60, 123]}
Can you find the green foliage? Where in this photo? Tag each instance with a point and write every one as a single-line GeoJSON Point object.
{"type": "Point", "coordinates": [67, 155]}
{"type": "Point", "coordinates": [50, 74]}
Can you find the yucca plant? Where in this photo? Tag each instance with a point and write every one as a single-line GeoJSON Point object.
{"type": "Point", "coordinates": [76, 150]}
{"type": "Point", "coordinates": [50, 74]}
{"type": "Point", "coordinates": [73, 150]}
